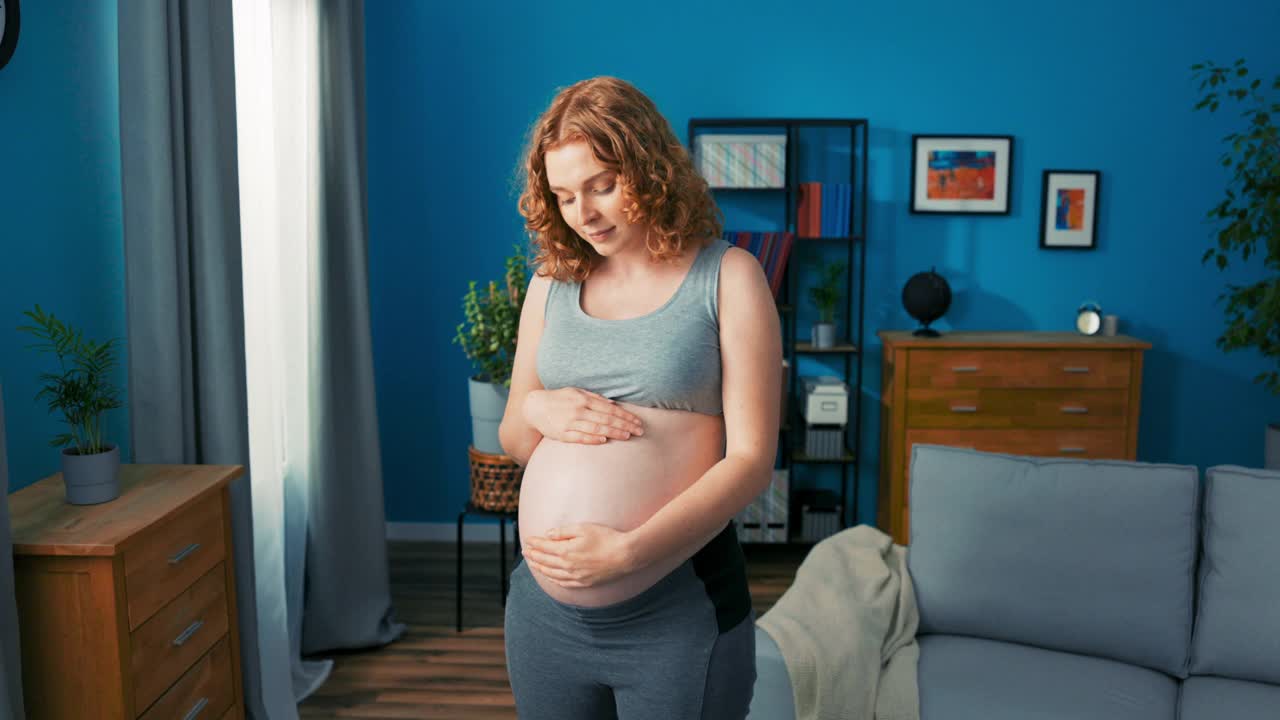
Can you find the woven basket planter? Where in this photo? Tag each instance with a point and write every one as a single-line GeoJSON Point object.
{"type": "Point", "coordinates": [495, 481]}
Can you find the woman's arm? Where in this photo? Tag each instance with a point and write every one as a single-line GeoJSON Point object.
{"type": "Point", "coordinates": [751, 361]}
{"type": "Point", "coordinates": [517, 437]}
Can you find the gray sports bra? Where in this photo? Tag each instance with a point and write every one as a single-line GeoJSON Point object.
{"type": "Point", "coordinates": [669, 358]}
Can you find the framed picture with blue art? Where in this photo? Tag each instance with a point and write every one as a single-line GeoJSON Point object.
{"type": "Point", "coordinates": [961, 174]}
{"type": "Point", "coordinates": [1069, 209]}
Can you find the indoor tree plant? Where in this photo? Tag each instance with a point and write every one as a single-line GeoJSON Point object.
{"type": "Point", "coordinates": [81, 392]}
{"type": "Point", "coordinates": [488, 338]}
{"type": "Point", "coordinates": [826, 297]}
{"type": "Point", "coordinates": [1247, 219]}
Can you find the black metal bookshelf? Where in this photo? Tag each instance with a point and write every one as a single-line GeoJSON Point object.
{"type": "Point", "coordinates": [847, 348]}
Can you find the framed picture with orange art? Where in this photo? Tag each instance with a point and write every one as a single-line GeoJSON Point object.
{"type": "Point", "coordinates": [961, 174]}
{"type": "Point", "coordinates": [1069, 209]}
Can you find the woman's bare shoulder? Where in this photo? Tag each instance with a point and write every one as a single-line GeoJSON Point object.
{"type": "Point", "coordinates": [740, 270]}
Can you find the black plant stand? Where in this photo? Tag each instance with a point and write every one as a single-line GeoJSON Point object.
{"type": "Point", "coordinates": [503, 517]}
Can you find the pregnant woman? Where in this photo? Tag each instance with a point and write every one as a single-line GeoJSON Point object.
{"type": "Point", "coordinates": [644, 408]}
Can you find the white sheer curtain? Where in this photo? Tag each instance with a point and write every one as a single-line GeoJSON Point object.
{"type": "Point", "coordinates": [277, 121]}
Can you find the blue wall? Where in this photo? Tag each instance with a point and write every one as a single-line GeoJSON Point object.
{"type": "Point", "coordinates": [60, 217]}
{"type": "Point", "coordinates": [453, 87]}
{"type": "Point", "coordinates": [450, 101]}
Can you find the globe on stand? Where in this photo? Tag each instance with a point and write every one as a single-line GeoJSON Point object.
{"type": "Point", "coordinates": [926, 297]}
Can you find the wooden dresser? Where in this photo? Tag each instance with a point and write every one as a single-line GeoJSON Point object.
{"type": "Point", "coordinates": [128, 609]}
{"type": "Point", "coordinates": [1027, 393]}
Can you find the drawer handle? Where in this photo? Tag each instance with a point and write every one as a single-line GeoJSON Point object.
{"type": "Point", "coordinates": [964, 408]}
{"type": "Point", "coordinates": [196, 709]}
{"type": "Point", "coordinates": [1079, 369]}
{"type": "Point", "coordinates": [183, 553]}
{"type": "Point", "coordinates": [1071, 450]}
{"type": "Point", "coordinates": [186, 634]}
{"type": "Point", "coordinates": [1075, 409]}
{"type": "Point", "coordinates": [964, 368]}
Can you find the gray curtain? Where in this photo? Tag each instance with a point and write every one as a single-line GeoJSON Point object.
{"type": "Point", "coordinates": [10, 647]}
{"type": "Point", "coordinates": [186, 336]}
{"type": "Point", "coordinates": [183, 281]}
{"type": "Point", "coordinates": [348, 602]}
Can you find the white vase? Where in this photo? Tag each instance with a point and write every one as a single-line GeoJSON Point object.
{"type": "Point", "coordinates": [1273, 447]}
{"type": "Point", "coordinates": [488, 403]}
{"type": "Point", "coordinates": [91, 479]}
{"type": "Point", "coordinates": [824, 335]}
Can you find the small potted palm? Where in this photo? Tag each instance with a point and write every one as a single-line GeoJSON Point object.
{"type": "Point", "coordinates": [81, 392]}
{"type": "Point", "coordinates": [826, 297]}
{"type": "Point", "coordinates": [488, 338]}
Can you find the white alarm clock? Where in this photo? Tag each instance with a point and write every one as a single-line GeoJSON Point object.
{"type": "Point", "coordinates": [1089, 318]}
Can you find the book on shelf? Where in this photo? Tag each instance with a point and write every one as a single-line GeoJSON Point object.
{"type": "Point", "coordinates": [840, 195]}
{"type": "Point", "coordinates": [828, 209]}
{"type": "Point", "coordinates": [846, 203]}
{"type": "Point", "coordinates": [772, 249]}
{"type": "Point", "coordinates": [841, 223]}
{"type": "Point", "coordinates": [809, 210]}
{"type": "Point", "coordinates": [824, 209]}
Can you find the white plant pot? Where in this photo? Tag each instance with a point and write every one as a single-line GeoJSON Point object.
{"type": "Point", "coordinates": [91, 479]}
{"type": "Point", "coordinates": [488, 403]}
{"type": "Point", "coordinates": [1273, 447]}
{"type": "Point", "coordinates": [824, 335]}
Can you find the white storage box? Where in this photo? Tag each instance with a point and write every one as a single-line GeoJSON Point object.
{"type": "Point", "coordinates": [826, 401]}
{"type": "Point", "coordinates": [741, 161]}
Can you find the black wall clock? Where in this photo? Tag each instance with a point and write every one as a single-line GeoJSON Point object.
{"type": "Point", "coordinates": [8, 29]}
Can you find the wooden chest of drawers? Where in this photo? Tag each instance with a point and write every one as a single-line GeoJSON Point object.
{"type": "Point", "coordinates": [128, 609]}
{"type": "Point", "coordinates": [1031, 393]}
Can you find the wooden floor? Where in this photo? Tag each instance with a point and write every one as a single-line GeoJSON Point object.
{"type": "Point", "coordinates": [435, 671]}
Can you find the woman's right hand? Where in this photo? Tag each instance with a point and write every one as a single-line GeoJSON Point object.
{"type": "Point", "coordinates": [574, 415]}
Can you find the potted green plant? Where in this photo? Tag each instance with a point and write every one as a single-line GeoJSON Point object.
{"type": "Point", "coordinates": [488, 338]}
{"type": "Point", "coordinates": [826, 297]}
{"type": "Point", "coordinates": [1248, 217]}
{"type": "Point", "coordinates": [81, 392]}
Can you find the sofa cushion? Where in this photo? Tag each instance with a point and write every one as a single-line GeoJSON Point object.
{"type": "Point", "coordinates": [772, 698]}
{"type": "Point", "coordinates": [1238, 620]}
{"type": "Point", "coordinates": [1089, 556]}
{"type": "Point", "coordinates": [1211, 698]}
{"type": "Point", "coordinates": [965, 678]}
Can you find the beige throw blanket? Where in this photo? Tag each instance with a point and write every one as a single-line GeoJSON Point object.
{"type": "Point", "coordinates": [846, 628]}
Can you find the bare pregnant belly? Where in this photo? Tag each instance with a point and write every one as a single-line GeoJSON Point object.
{"type": "Point", "coordinates": [621, 484]}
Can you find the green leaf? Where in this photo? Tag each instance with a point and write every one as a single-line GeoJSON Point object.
{"type": "Point", "coordinates": [81, 393]}
{"type": "Point", "coordinates": [491, 311]}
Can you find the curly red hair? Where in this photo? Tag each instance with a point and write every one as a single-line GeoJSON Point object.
{"type": "Point", "coordinates": [628, 135]}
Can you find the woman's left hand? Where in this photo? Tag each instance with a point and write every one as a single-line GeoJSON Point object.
{"type": "Point", "coordinates": [581, 555]}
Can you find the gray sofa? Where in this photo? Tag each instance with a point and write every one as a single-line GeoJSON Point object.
{"type": "Point", "coordinates": [1085, 589]}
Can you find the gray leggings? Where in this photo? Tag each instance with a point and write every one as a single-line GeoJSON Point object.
{"type": "Point", "coordinates": [659, 654]}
